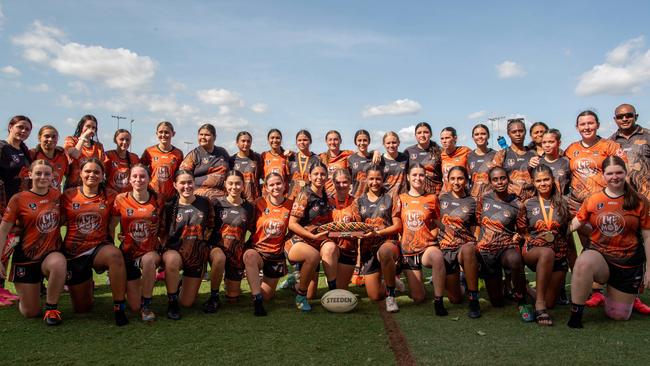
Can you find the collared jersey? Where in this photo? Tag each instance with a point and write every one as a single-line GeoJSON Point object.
{"type": "Point", "coordinates": [138, 224]}
{"type": "Point", "coordinates": [37, 219]}
{"type": "Point", "coordinates": [87, 220]}
{"type": "Point", "coordinates": [163, 166]}
{"type": "Point", "coordinates": [118, 170]}
{"type": "Point", "coordinates": [418, 215]}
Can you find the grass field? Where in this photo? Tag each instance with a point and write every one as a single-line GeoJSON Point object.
{"type": "Point", "coordinates": [287, 337]}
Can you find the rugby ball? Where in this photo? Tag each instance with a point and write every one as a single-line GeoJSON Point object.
{"type": "Point", "coordinates": [339, 301]}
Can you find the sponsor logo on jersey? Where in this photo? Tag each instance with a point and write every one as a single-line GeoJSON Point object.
{"type": "Point", "coordinates": [88, 222]}
{"type": "Point", "coordinates": [139, 230]}
{"type": "Point", "coordinates": [610, 223]}
{"type": "Point", "coordinates": [47, 221]}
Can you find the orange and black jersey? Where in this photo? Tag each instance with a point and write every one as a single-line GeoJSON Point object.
{"type": "Point", "coordinates": [418, 216]}
{"type": "Point", "coordinates": [36, 217]}
{"type": "Point", "coordinates": [537, 226]}
{"type": "Point", "coordinates": [59, 164]}
{"type": "Point", "coordinates": [616, 232]}
{"type": "Point", "coordinates": [271, 224]}
{"type": "Point", "coordinates": [138, 224]}
{"type": "Point", "coordinates": [457, 158]}
{"type": "Point", "coordinates": [209, 168]}
{"type": "Point", "coordinates": [186, 229]}
{"type": "Point", "coordinates": [458, 217]}
{"type": "Point", "coordinates": [339, 161]}
{"type": "Point", "coordinates": [345, 211]}
{"type": "Point", "coordinates": [163, 166]}
{"type": "Point", "coordinates": [231, 223]}
{"type": "Point", "coordinates": [478, 168]}
{"type": "Point", "coordinates": [251, 168]}
{"type": "Point", "coordinates": [96, 150]}
{"type": "Point", "coordinates": [431, 160]}
{"type": "Point", "coordinates": [311, 209]}
{"type": "Point", "coordinates": [87, 220]}
{"type": "Point", "coordinates": [586, 162]}
{"type": "Point", "coordinates": [358, 165]}
{"type": "Point", "coordinates": [395, 174]}
{"type": "Point", "coordinates": [14, 165]}
{"type": "Point", "coordinates": [637, 149]}
{"type": "Point", "coordinates": [275, 163]}
{"type": "Point", "coordinates": [516, 165]}
{"type": "Point", "coordinates": [561, 173]}
{"type": "Point", "coordinates": [118, 170]}
{"type": "Point", "coordinates": [299, 166]}
{"type": "Point", "coordinates": [499, 221]}
{"type": "Point", "coordinates": [379, 214]}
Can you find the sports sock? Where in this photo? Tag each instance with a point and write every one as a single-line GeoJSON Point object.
{"type": "Point", "coordinates": [119, 305]}
{"type": "Point", "coordinates": [519, 298]}
{"type": "Point", "coordinates": [258, 297]}
{"type": "Point", "coordinates": [439, 306]}
{"type": "Point", "coordinates": [575, 321]}
{"type": "Point", "coordinates": [390, 291]}
{"type": "Point", "coordinates": [146, 302]}
{"type": "Point", "coordinates": [173, 296]}
{"type": "Point", "coordinates": [214, 294]}
{"type": "Point", "coordinates": [331, 284]}
{"type": "Point", "coordinates": [301, 292]}
{"type": "Point", "coordinates": [473, 295]}
{"type": "Point", "coordinates": [50, 306]}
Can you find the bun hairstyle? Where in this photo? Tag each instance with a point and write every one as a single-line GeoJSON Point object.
{"type": "Point", "coordinates": [631, 198]}
{"type": "Point", "coordinates": [558, 202]}
{"type": "Point", "coordinates": [80, 127]}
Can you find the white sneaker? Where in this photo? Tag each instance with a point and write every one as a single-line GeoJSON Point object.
{"type": "Point", "coordinates": [399, 285]}
{"type": "Point", "coordinates": [391, 305]}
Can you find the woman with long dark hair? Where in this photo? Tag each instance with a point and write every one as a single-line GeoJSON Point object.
{"type": "Point", "coordinates": [427, 153]}
{"type": "Point", "coordinates": [81, 146]}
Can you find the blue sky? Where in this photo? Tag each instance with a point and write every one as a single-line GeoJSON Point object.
{"type": "Point", "coordinates": [345, 65]}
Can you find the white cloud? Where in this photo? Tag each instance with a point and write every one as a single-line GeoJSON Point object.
{"type": "Point", "coordinates": [40, 88]}
{"type": "Point", "coordinates": [259, 108]}
{"type": "Point", "coordinates": [78, 87]}
{"type": "Point", "coordinates": [2, 17]}
{"type": "Point", "coordinates": [477, 115]}
{"type": "Point", "coordinates": [176, 86]}
{"type": "Point", "coordinates": [220, 97]}
{"type": "Point", "coordinates": [10, 71]}
{"type": "Point", "coordinates": [626, 70]}
{"type": "Point", "coordinates": [116, 68]}
{"type": "Point", "coordinates": [509, 69]}
{"type": "Point", "coordinates": [396, 108]}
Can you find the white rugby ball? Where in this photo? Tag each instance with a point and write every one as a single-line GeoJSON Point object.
{"type": "Point", "coordinates": [339, 301]}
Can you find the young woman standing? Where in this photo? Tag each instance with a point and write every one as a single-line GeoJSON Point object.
{"type": "Point", "coordinates": [427, 153]}
{"type": "Point", "coordinates": [249, 164]}
{"type": "Point", "coordinates": [515, 159]}
{"type": "Point", "coordinates": [395, 164]}
{"type": "Point", "coordinates": [162, 160]}
{"type": "Point", "coordinates": [480, 161]}
{"type": "Point", "coordinates": [81, 146]}
{"type": "Point", "coordinates": [119, 162]}
{"type": "Point", "coordinates": [47, 149]}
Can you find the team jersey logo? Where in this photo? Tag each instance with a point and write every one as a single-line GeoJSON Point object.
{"type": "Point", "coordinates": [414, 220]}
{"type": "Point", "coordinates": [139, 230]}
{"type": "Point", "coordinates": [20, 271]}
{"type": "Point", "coordinates": [75, 205]}
{"type": "Point", "coordinates": [129, 212]}
{"type": "Point", "coordinates": [274, 228]}
{"type": "Point", "coordinates": [32, 206]}
{"type": "Point", "coordinates": [610, 223]}
{"type": "Point", "coordinates": [47, 221]}
{"type": "Point", "coordinates": [585, 167]}
{"type": "Point", "coordinates": [600, 206]}
{"type": "Point", "coordinates": [121, 179]}
{"type": "Point", "coordinates": [536, 211]}
{"type": "Point", "coordinates": [267, 211]}
{"type": "Point", "coordinates": [163, 173]}
{"type": "Point", "coordinates": [179, 217]}
{"type": "Point", "coordinates": [444, 204]}
{"type": "Point", "coordinates": [88, 222]}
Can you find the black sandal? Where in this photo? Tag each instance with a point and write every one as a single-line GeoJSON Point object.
{"type": "Point", "coordinates": [542, 317]}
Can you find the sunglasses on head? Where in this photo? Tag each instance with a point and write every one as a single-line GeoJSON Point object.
{"type": "Point", "coordinates": [628, 115]}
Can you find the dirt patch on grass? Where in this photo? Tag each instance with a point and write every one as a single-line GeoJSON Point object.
{"type": "Point", "coordinates": [396, 339]}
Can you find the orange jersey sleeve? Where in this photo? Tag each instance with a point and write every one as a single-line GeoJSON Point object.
{"type": "Point", "coordinates": [37, 219]}
{"type": "Point", "coordinates": [418, 215]}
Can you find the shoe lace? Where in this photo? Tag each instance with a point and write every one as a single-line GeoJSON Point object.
{"type": "Point", "coordinates": [52, 314]}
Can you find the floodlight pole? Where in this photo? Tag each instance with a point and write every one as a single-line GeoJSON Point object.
{"type": "Point", "coordinates": [495, 126]}
{"type": "Point", "coordinates": [131, 129]}
{"type": "Point", "coordinates": [118, 118]}
{"type": "Point", "coordinates": [187, 146]}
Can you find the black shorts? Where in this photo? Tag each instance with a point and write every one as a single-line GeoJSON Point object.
{"type": "Point", "coordinates": [369, 262]}
{"type": "Point", "coordinates": [275, 266]}
{"type": "Point", "coordinates": [80, 269]}
{"type": "Point", "coordinates": [347, 258]}
{"type": "Point", "coordinates": [452, 265]}
{"type": "Point", "coordinates": [412, 262]}
{"type": "Point", "coordinates": [26, 272]}
{"type": "Point", "coordinates": [133, 271]}
{"type": "Point", "coordinates": [490, 263]}
{"type": "Point", "coordinates": [625, 279]}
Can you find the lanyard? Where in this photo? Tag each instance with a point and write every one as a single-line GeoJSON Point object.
{"type": "Point", "coordinates": [302, 168]}
{"type": "Point", "coordinates": [547, 217]}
